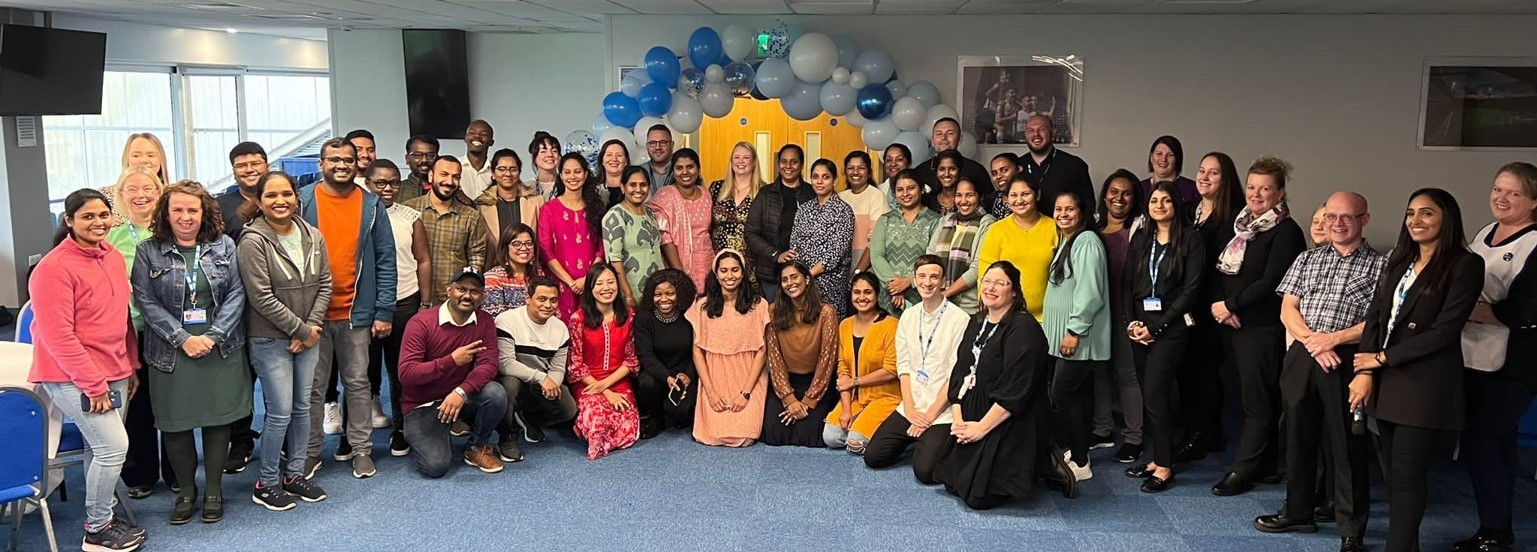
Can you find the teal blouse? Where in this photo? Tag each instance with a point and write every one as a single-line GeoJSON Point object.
{"type": "Point", "coordinates": [1080, 303]}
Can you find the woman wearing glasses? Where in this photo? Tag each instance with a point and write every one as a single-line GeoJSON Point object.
{"type": "Point", "coordinates": [513, 266]}
{"type": "Point", "coordinates": [510, 201]}
{"type": "Point", "coordinates": [413, 265]}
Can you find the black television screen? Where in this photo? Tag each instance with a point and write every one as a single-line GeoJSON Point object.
{"type": "Point", "coordinates": [437, 82]}
{"type": "Point", "coordinates": [50, 71]}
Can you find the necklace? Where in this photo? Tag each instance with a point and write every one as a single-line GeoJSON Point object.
{"type": "Point", "coordinates": [667, 319]}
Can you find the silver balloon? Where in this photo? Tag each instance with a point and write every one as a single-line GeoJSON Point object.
{"type": "Point", "coordinates": [858, 80]}
{"type": "Point", "coordinates": [714, 74]}
{"type": "Point", "coordinates": [838, 99]}
{"type": "Point", "coordinates": [716, 100]}
{"type": "Point", "coordinates": [739, 78]}
{"type": "Point", "coordinates": [968, 145]}
{"type": "Point", "coordinates": [691, 81]}
{"type": "Point", "coordinates": [897, 89]}
{"type": "Point", "coordinates": [876, 65]}
{"type": "Point", "coordinates": [600, 123]}
{"type": "Point", "coordinates": [737, 41]}
{"type": "Point", "coordinates": [687, 113]}
{"type": "Point", "coordinates": [804, 102]}
{"type": "Point", "coordinates": [918, 142]}
{"type": "Point", "coordinates": [936, 113]}
{"type": "Point", "coordinates": [633, 82]}
{"type": "Point", "coordinates": [880, 133]}
{"type": "Point", "coordinates": [624, 136]}
{"type": "Point", "coordinates": [854, 119]}
{"type": "Point", "coordinates": [775, 79]}
{"type": "Point", "coordinates": [908, 114]}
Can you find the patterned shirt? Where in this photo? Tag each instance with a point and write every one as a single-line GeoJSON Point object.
{"type": "Point", "coordinates": [635, 241]}
{"type": "Point", "coordinates": [1334, 289]}
{"type": "Point", "coordinates": [896, 244]}
{"type": "Point", "coordinates": [823, 233]}
{"type": "Point", "coordinates": [685, 224]}
{"type": "Point", "coordinates": [457, 239]}
{"type": "Point", "coordinates": [728, 223]}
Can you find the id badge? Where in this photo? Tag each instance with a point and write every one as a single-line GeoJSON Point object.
{"type": "Point", "coordinates": [1152, 304]}
{"type": "Point", "coordinates": [923, 377]}
{"type": "Point", "coordinates": [191, 317]}
{"type": "Point", "coordinates": [967, 384]}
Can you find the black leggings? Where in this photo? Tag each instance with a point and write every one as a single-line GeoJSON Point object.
{"type": "Point", "coordinates": [1495, 406]}
{"type": "Point", "coordinates": [385, 353]}
{"type": "Point", "coordinates": [1406, 454]}
{"type": "Point", "coordinates": [182, 447]}
{"type": "Point", "coordinates": [1157, 367]}
{"type": "Point", "coordinates": [1072, 395]}
{"type": "Point", "coordinates": [890, 440]}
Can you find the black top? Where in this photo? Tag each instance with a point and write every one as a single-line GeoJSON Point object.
{"type": "Point", "coordinates": [1518, 312]}
{"type": "Point", "coordinates": [1422, 384]}
{"type": "Point", "coordinates": [1013, 368]}
{"type": "Point", "coordinates": [1181, 268]}
{"type": "Point", "coordinates": [970, 170]}
{"type": "Point", "coordinates": [1250, 294]}
{"type": "Point", "coordinates": [768, 225]}
{"type": "Point", "coordinates": [229, 208]}
{"type": "Point", "coordinates": [1214, 237]}
{"type": "Point", "coordinates": [1062, 172]}
{"type": "Point", "coordinates": [664, 350]}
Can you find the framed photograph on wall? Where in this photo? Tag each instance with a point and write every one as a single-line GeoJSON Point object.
{"type": "Point", "coordinates": [1479, 103]}
{"type": "Point", "coordinates": [999, 94]}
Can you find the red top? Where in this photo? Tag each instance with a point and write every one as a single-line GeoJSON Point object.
{"type": "Point", "coordinates": [601, 352]}
{"type": "Point", "coordinates": [81, 333]}
{"type": "Point", "coordinates": [427, 369]}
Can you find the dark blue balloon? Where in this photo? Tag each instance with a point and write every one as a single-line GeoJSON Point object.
{"type": "Point", "coordinates": [724, 59]}
{"type": "Point", "coordinates": [758, 94]}
{"type": "Point", "coordinates": [704, 47]}
{"type": "Point", "coordinates": [655, 99]}
{"type": "Point", "coordinates": [623, 111]}
{"type": "Point", "coordinates": [662, 65]}
{"type": "Point", "coordinates": [874, 101]}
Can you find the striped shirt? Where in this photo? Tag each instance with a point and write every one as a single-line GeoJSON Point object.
{"type": "Point", "coordinates": [1334, 289]}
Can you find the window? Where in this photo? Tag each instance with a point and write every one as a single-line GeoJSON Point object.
{"type": "Point", "coordinates": [215, 122]}
{"type": "Point", "coordinates": [280, 108]}
{"type": "Point", "coordinates": [86, 150]}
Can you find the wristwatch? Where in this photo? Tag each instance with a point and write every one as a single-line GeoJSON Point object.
{"type": "Point", "coordinates": [460, 392]}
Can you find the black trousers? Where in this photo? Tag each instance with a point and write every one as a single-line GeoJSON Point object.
{"type": "Point", "coordinates": [385, 353]}
{"type": "Point", "coordinates": [1256, 354]}
{"type": "Point", "coordinates": [147, 461]}
{"type": "Point", "coordinates": [1157, 367]}
{"type": "Point", "coordinates": [1406, 454]}
{"type": "Point", "coordinates": [1318, 420]}
{"type": "Point", "coordinates": [1495, 406]}
{"type": "Point", "coordinates": [1200, 384]}
{"type": "Point", "coordinates": [652, 394]}
{"type": "Point", "coordinates": [891, 440]}
{"type": "Point", "coordinates": [1072, 394]}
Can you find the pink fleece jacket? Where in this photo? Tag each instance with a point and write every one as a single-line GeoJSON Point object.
{"type": "Point", "coordinates": [81, 333]}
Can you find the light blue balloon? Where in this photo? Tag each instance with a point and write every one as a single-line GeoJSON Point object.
{"type": "Point", "coordinates": [662, 65]}
{"type": "Point", "coordinates": [897, 88]}
{"type": "Point", "coordinates": [775, 79]}
{"type": "Point", "coordinates": [633, 82]}
{"type": "Point", "coordinates": [918, 143]}
{"type": "Point", "coordinates": [623, 111]}
{"type": "Point", "coordinates": [924, 91]}
{"type": "Point", "coordinates": [600, 124]}
{"type": "Point", "coordinates": [691, 81]}
{"type": "Point", "coordinates": [879, 133]}
{"type": "Point", "coordinates": [874, 102]}
{"type": "Point", "coordinates": [583, 142]}
{"type": "Point", "coordinates": [848, 53]}
{"type": "Point", "coordinates": [655, 99]}
{"type": "Point", "coordinates": [838, 99]}
{"type": "Point", "coordinates": [704, 47]}
{"type": "Point", "coordinates": [876, 65]}
{"type": "Point", "coordinates": [804, 102]}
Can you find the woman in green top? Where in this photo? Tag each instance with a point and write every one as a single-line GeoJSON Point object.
{"type": "Point", "coordinates": [138, 190]}
{"type": "Point", "coordinates": [188, 287]}
{"type": "Point", "coordinates": [900, 236]}
{"type": "Point", "coordinates": [1077, 322]}
{"type": "Point", "coordinates": [631, 239]}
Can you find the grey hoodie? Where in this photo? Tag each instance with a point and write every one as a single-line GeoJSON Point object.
{"type": "Point", "coordinates": [283, 303]}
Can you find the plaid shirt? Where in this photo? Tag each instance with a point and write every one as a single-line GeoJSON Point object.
{"type": "Point", "coordinates": [456, 239]}
{"type": "Point", "coordinates": [1334, 289]}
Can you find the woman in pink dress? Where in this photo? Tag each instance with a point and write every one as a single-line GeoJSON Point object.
{"type": "Point", "coordinates": [729, 323]}
{"type": "Point", "coordinates": [601, 363]}
{"type": "Point", "coordinates": [570, 231]}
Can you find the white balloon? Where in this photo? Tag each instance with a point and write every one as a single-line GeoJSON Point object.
{"type": "Point", "coordinates": [804, 102]}
{"type": "Point", "coordinates": [918, 142]}
{"type": "Point", "coordinates": [686, 115]}
{"type": "Point", "coordinates": [897, 88]}
{"type": "Point", "coordinates": [968, 145]}
{"type": "Point", "coordinates": [716, 100]}
{"type": "Point", "coordinates": [600, 123]}
{"type": "Point", "coordinates": [633, 82]}
{"type": "Point", "coordinates": [626, 137]}
{"type": "Point", "coordinates": [775, 79]}
{"type": "Point", "coordinates": [880, 133]}
{"type": "Point", "coordinates": [737, 41]}
{"type": "Point", "coordinates": [876, 65]}
{"type": "Point", "coordinates": [813, 57]}
{"type": "Point", "coordinates": [858, 80]}
{"type": "Point", "coordinates": [936, 113]}
{"type": "Point", "coordinates": [908, 114]}
{"type": "Point", "coordinates": [644, 125]}
{"type": "Point", "coordinates": [838, 99]}
{"type": "Point", "coordinates": [841, 75]}
{"type": "Point", "coordinates": [714, 73]}
{"type": "Point", "coordinates": [853, 118]}
{"type": "Point", "coordinates": [924, 91]}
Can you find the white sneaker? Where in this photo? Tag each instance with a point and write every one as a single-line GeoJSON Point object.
{"type": "Point", "coordinates": [332, 425]}
{"type": "Point", "coordinates": [380, 420]}
{"type": "Point", "coordinates": [1080, 473]}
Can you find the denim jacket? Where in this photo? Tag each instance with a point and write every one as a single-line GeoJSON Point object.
{"type": "Point", "coordinates": [160, 287]}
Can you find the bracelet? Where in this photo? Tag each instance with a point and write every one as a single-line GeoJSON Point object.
{"type": "Point", "coordinates": [1381, 360]}
{"type": "Point", "coordinates": [856, 381]}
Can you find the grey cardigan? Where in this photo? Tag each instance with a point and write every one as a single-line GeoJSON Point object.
{"type": "Point", "coordinates": [283, 302]}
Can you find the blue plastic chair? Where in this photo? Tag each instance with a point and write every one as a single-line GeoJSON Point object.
{"type": "Point", "coordinates": [24, 458]}
{"type": "Point", "coordinates": [24, 324]}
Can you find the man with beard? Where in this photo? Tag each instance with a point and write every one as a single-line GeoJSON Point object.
{"type": "Point", "coordinates": [361, 248]}
{"type": "Point", "coordinates": [659, 150]}
{"type": "Point", "coordinates": [421, 151]}
{"type": "Point", "coordinates": [363, 141]}
{"type": "Point", "coordinates": [478, 138]}
{"type": "Point", "coordinates": [248, 162]}
{"type": "Point", "coordinates": [947, 136]}
{"type": "Point", "coordinates": [1054, 171]}
{"type": "Point", "coordinates": [456, 234]}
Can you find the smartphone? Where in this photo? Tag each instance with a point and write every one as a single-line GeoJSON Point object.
{"type": "Point", "coordinates": [114, 396]}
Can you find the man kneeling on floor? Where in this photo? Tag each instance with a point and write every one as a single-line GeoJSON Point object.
{"type": "Point", "coordinates": [448, 361]}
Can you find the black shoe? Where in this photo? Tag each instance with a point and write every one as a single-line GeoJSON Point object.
{"type": "Point", "coordinates": [272, 498]}
{"type": "Point", "coordinates": [142, 492]}
{"type": "Point", "coordinates": [303, 489]}
{"type": "Point", "coordinates": [1352, 544]}
{"type": "Point", "coordinates": [1192, 449]}
{"type": "Point", "coordinates": [1279, 523]}
{"type": "Point", "coordinates": [1097, 442]}
{"type": "Point", "coordinates": [1487, 540]}
{"type": "Point", "coordinates": [1062, 473]}
{"type": "Point", "coordinates": [650, 428]}
{"type": "Point", "coordinates": [343, 450]}
{"type": "Point", "coordinates": [1128, 453]}
{"type": "Point", "coordinates": [239, 457]}
{"type": "Point", "coordinates": [531, 432]}
{"type": "Point", "coordinates": [1274, 478]}
{"type": "Point", "coordinates": [398, 445]}
{"type": "Point", "coordinates": [1155, 484]}
{"type": "Point", "coordinates": [183, 510]}
{"type": "Point", "coordinates": [1323, 513]}
{"type": "Point", "coordinates": [1139, 472]}
{"type": "Point", "coordinates": [1232, 485]}
{"type": "Point", "coordinates": [213, 509]}
{"type": "Point", "coordinates": [508, 450]}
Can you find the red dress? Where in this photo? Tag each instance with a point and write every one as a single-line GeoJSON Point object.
{"type": "Point", "coordinates": [598, 353]}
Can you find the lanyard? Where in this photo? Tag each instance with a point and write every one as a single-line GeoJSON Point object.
{"type": "Point", "coordinates": [1045, 167]}
{"type": "Point", "coordinates": [191, 274]}
{"type": "Point", "coordinates": [976, 346]}
{"type": "Point", "coordinates": [1402, 293]}
{"type": "Point", "coordinates": [1155, 264]}
{"type": "Point", "coordinates": [933, 330]}
{"type": "Point", "coordinates": [133, 231]}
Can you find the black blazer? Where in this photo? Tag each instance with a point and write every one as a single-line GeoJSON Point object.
{"type": "Point", "coordinates": [1250, 293]}
{"type": "Point", "coordinates": [1179, 281]}
{"type": "Point", "coordinates": [1422, 384]}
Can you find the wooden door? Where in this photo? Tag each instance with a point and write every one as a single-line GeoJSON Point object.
{"type": "Point", "coordinates": [765, 125]}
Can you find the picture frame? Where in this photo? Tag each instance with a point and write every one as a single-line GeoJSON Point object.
{"type": "Point", "coordinates": [997, 95]}
{"type": "Point", "coordinates": [1478, 104]}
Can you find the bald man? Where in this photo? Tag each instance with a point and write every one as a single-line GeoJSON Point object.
{"type": "Point", "coordinates": [1324, 297]}
{"type": "Point", "coordinates": [1052, 170]}
{"type": "Point", "coordinates": [478, 138]}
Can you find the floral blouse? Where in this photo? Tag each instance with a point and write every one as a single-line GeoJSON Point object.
{"type": "Point", "coordinates": [824, 233]}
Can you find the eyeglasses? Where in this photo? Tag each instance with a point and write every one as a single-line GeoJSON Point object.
{"type": "Point", "coordinates": [421, 155]}
{"type": "Point", "coordinates": [385, 183]}
{"type": "Point", "coordinates": [658, 143]}
{"type": "Point", "coordinates": [508, 170]}
{"type": "Point", "coordinates": [341, 160]}
{"type": "Point", "coordinates": [249, 165]}
{"type": "Point", "coordinates": [522, 245]}
{"type": "Point", "coordinates": [1331, 218]}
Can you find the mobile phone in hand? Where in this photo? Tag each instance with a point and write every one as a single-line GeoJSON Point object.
{"type": "Point", "coordinates": [114, 396]}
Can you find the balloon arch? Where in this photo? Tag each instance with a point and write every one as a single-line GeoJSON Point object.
{"type": "Point", "coordinates": [809, 75]}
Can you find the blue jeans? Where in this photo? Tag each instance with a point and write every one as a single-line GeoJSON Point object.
{"type": "Point", "coordinates": [286, 379]}
{"type": "Point", "coordinates": [837, 437]}
{"type": "Point", "coordinates": [106, 446]}
{"type": "Point", "coordinates": [429, 438]}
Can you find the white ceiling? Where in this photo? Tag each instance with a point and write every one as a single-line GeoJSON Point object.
{"type": "Point", "coordinates": [308, 18]}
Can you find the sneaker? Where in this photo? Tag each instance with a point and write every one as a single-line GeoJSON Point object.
{"type": "Point", "coordinates": [379, 419]}
{"type": "Point", "coordinates": [1080, 473]}
{"type": "Point", "coordinates": [398, 445]}
{"type": "Point", "coordinates": [1100, 442]}
{"type": "Point", "coordinates": [134, 530]}
{"type": "Point", "coordinates": [272, 498]}
{"type": "Point", "coordinates": [531, 432]}
{"type": "Point", "coordinates": [311, 465]}
{"type": "Point", "coordinates": [482, 457]}
{"type": "Point", "coordinates": [362, 466]}
{"type": "Point", "coordinates": [459, 429]}
{"type": "Point", "coordinates": [333, 419]}
{"type": "Point", "coordinates": [239, 457]}
{"type": "Point", "coordinates": [1128, 453]}
{"type": "Point", "coordinates": [112, 538]}
{"type": "Point", "coordinates": [509, 451]}
{"type": "Point", "coordinates": [302, 488]}
{"type": "Point", "coordinates": [343, 451]}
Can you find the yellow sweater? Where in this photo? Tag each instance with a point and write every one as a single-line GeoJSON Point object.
{"type": "Point", "coordinates": [1029, 250]}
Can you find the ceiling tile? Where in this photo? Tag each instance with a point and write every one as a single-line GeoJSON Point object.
{"type": "Point", "coordinates": [584, 7]}
{"type": "Point", "coordinates": [747, 7]}
{"type": "Point", "coordinates": [665, 7]}
{"type": "Point", "coordinates": [524, 10]}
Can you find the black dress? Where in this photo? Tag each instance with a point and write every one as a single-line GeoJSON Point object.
{"type": "Point", "coordinates": [665, 349]}
{"type": "Point", "coordinates": [1012, 373]}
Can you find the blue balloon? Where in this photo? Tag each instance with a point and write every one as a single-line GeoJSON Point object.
{"type": "Point", "coordinates": [724, 59]}
{"type": "Point", "coordinates": [874, 101]}
{"type": "Point", "coordinates": [847, 51]}
{"type": "Point", "coordinates": [600, 124]}
{"type": "Point", "coordinates": [663, 67]}
{"type": "Point", "coordinates": [704, 47]}
{"type": "Point", "coordinates": [621, 110]}
{"type": "Point", "coordinates": [804, 102]}
{"type": "Point", "coordinates": [655, 99]}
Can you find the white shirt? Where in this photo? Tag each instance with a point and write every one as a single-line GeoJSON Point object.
{"type": "Point", "coordinates": [1484, 345]}
{"type": "Point", "coordinates": [927, 345]}
{"type": "Point", "coordinates": [402, 223]}
{"type": "Point", "coordinates": [445, 318]}
{"type": "Point", "coordinates": [474, 182]}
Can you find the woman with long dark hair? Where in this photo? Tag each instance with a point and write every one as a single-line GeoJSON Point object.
{"type": "Point", "coordinates": [631, 238]}
{"type": "Point", "coordinates": [947, 172]}
{"type": "Point", "coordinates": [867, 385]}
{"type": "Point", "coordinates": [900, 237]}
{"type": "Point", "coordinates": [571, 230]}
{"type": "Point", "coordinates": [1118, 218]}
{"type": "Point", "coordinates": [729, 323]}
{"type": "Point", "coordinates": [683, 213]}
{"type": "Point", "coordinates": [1409, 373]}
{"type": "Point", "coordinates": [958, 240]}
{"type": "Point", "coordinates": [823, 236]}
{"type": "Point", "coordinates": [667, 385]}
{"type": "Point", "coordinates": [1077, 323]}
{"type": "Point", "coordinates": [802, 359]}
{"type": "Point", "coordinates": [1200, 382]}
{"type": "Point", "coordinates": [601, 363]}
{"type": "Point", "coordinates": [1026, 239]}
{"type": "Point", "coordinates": [512, 265]}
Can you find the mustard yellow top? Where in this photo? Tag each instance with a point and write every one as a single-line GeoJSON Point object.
{"type": "Point", "coordinates": [878, 351]}
{"type": "Point", "coordinates": [1031, 252]}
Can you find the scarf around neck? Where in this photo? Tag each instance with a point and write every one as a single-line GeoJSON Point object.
{"type": "Point", "coordinates": [1245, 227]}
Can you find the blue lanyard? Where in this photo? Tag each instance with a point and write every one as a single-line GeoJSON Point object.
{"type": "Point", "coordinates": [929, 342]}
{"type": "Point", "coordinates": [981, 341]}
{"type": "Point", "coordinates": [1155, 264]}
{"type": "Point", "coordinates": [191, 274]}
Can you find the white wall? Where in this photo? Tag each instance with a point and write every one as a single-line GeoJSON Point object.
{"type": "Point", "coordinates": [1338, 96]}
{"type": "Point", "coordinates": [136, 43]}
{"type": "Point", "coordinates": [518, 83]}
